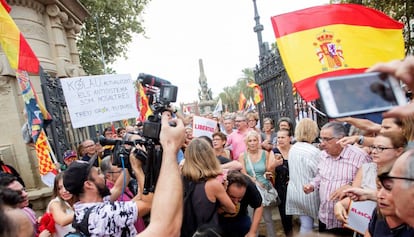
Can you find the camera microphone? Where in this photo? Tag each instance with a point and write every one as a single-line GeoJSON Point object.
{"type": "Point", "coordinates": [108, 142]}
{"type": "Point", "coordinates": [151, 80]}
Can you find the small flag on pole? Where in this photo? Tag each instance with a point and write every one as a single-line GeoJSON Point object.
{"type": "Point", "coordinates": [257, 92]}
{"type": "Point", "coordinates": [219, 108]}
{"type": "Point", "coordinates": [47, 168]}
{"type": "Point", "coordinates": [250, 106]}
{"type": "Point", "coordinates": [242, 101]}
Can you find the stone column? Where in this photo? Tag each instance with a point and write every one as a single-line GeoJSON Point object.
{"type": "Point", "coordinates": [50, 28]}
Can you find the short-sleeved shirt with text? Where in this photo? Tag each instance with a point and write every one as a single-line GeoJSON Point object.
{"type": "Point", "coordinates": [109, 218]}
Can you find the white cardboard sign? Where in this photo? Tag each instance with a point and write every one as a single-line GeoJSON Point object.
{"type": "Point", "coordinates": [359, 215]}
{"type": "Point", "coordinates": [99, 99]}
{"type": "Point", "coordinates": [203, 126]}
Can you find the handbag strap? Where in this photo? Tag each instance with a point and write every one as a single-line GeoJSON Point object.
{"type": "Point", "coordinates": [251, 165]}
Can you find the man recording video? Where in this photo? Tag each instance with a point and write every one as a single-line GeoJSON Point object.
{"type": "Point", "coordinates": [105, 218]}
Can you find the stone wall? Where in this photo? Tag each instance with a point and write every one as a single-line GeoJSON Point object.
{"type": "Point", "coordinates": [50, 27]}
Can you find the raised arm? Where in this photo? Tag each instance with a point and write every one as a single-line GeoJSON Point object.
{"type": "Point", "coordinates": [167, 208]}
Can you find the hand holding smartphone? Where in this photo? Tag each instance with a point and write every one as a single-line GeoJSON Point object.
{"type": "Point", "coordinates": [360, 94]}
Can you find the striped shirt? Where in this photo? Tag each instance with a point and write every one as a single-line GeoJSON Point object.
{"type": "Point", "coordinates": [332, 174]}
{"type": "Point", "coordinates": [303, 165]}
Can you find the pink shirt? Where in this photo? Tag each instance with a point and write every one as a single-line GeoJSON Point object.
{"type": "Point", "coordinates": [236, 143]}
{"type": "Point", "coordinates": [332, 174]}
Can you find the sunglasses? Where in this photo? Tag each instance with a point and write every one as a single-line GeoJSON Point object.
{"type": "Point", "coordinates": [387, 181]}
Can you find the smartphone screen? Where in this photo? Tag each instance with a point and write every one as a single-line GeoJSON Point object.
{"type": "Point", "coordinates": [359, 94]}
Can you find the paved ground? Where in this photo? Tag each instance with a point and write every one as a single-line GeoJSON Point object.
{"type": "Point", "coordinates": [278, 226]}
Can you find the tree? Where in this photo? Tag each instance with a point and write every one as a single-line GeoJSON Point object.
{"type": "Point", "coordinates": [400, 10]}
{"type": "Point", "coordinates": [110, 28]}
{"type": "Point", "coordinates": [230, 94]}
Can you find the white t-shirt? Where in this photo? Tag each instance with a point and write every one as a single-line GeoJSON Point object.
{"type": "Point", "coordinates": [109, 218]}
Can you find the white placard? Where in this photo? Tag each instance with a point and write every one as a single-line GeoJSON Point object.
{"type": "Point", "coordinates": [359, 215]}
{"type": "Point", "coordinates": [203, 126]}
{"type": "Point", "coordinates": [99, 99]}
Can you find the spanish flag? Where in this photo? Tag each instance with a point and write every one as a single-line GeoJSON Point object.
{"type": "Point", "coordinates": [333, 40]}
{"type": "Point", "coordinates": [145, 109]}
{"type": "Point", "coordinates": [242, 101]}
{"type": "Point", "coordinates": [14, 45]}
{"type": "Point", "coordinates": [257, 92]}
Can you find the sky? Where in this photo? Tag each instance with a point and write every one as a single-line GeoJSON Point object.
{"type": "Point", "coordinates": [220, 32]}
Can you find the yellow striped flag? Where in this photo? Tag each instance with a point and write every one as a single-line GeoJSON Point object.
{"type": "Point", "coordinates": [144, 107]}
{"type": "Point", "coordinates": [242, 101]}
{"type": "Point", "coordinates": [43, 154]}
{"type": "Point", "coordinates": [333, 40]}
{"type": "Point", "coordinates": [257, 92]}
{"type": "Point", "coordinates": [14, 45]}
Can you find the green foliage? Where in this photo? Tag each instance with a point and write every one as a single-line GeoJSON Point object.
{"type": "Point", "coordinates": [118, 21]}
{"type": "Point", "coordinates": [230, 94]}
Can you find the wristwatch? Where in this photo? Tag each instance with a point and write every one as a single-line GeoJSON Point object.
{"type": "Point", "coordinates": [360, 140]}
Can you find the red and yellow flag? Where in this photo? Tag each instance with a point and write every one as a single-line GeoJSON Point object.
{"type": "Point", "coordinates": [257, 92]}
{"type": "Point", "coordinates": [333, 40]}
{"type": "Point", "coordinates": [14, 45]}
{"type": "Point", "coordinates": [37, 115]}
{"type": "Point", "coordinates": [43, 155]}
{"type": "Point", "coordinates": [242, 101]}
{"type": "Point", "coordinates": [144, 107]}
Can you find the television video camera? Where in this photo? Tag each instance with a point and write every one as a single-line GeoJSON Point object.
{"type": "Point", "coordinates": [160, 94]}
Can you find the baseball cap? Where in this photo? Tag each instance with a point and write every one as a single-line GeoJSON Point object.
{"type": "Point", "coordinates": [76, 174]}
{"type": "Point", "coordinates": [69, 154]}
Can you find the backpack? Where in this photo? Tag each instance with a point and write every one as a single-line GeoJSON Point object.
{"type": "Point", "coordinates": [190, 226]}
{"type": "Point", "coordinates": [81, 228]}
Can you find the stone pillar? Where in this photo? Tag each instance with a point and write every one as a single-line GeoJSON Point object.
{"type": "Point", "coordinates": [50, 28]}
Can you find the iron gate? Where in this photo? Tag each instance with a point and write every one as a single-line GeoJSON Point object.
{"type": "Point", "coordinates": [62, 136]}
{"type": "Point", "coordinates": [279, 100]}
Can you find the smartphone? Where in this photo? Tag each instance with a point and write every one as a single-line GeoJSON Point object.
{"type": "Point", "coordinates": [360, 94]}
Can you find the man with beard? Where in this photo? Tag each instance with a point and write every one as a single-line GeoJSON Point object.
{"type": "Point", "coordinates": [104, 215]}
{"type": "Point", "coordinates": [106, 218]}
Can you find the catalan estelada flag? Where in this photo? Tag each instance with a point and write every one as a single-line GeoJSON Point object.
{"type": "Point", "coordinates": [257, 92]}
{"type": "Point", "coordinates": [37, 115]}
{"type": "Point", "coordinates": [333, 40]}
{"type": "Point", "coordinates": [14, 45]}
{"type": "Point", "coordinates": [144, 107]}
{"type": "Point", "coordinates": [242, 101]}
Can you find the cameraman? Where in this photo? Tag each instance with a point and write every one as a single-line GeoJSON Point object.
{"type": "Point", "coordinates": [106, 219]}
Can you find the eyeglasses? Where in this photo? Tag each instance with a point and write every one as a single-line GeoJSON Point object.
{"type": "Point", "coordinates": [387, 181]}
{"type": "Point", "coordinates": [114, 172]}
{"type": "Point", "coordinates": [239, 121]}
{"type": "Point", "coordinates": [325, 139]}
{"type": "Point", "coordinates": [379, 149]}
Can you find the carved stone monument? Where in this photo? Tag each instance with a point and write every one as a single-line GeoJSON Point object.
{"type": "Point", "coordinates": [50, 27]}
{"type": "Point", "coordinates": [205, 94]}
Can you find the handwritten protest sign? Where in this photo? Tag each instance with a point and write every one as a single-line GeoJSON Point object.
{"type": "Point", "coordinates": [203, 126]}
{"type": "Point", "coordinates": [99, 99]}
{"type": "Point", "coordinates": [359, 215]}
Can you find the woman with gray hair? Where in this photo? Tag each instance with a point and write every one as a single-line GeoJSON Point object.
{"type": "Point", "coordinates": [303, 164]}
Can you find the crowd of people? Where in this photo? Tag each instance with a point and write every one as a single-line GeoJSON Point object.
{"type": "Point", "coordinates": [208, 186]}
